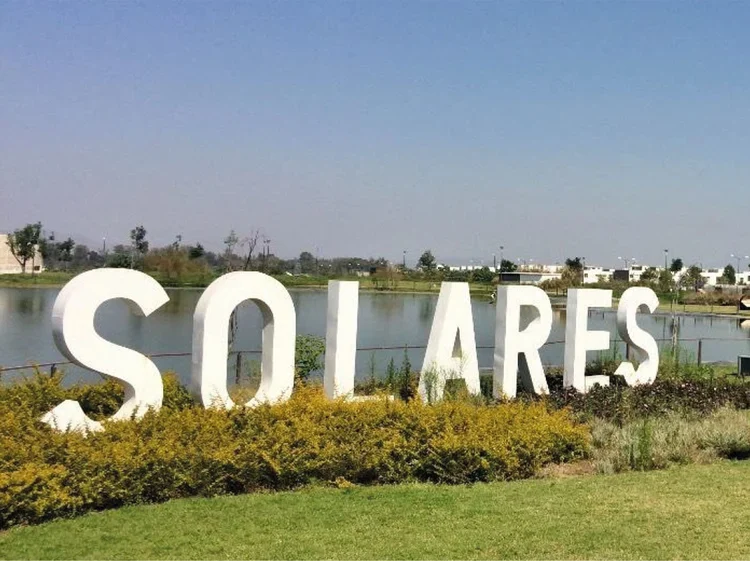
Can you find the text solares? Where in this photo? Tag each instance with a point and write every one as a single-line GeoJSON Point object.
{"type": "Point", "coordinates": [451, 348]}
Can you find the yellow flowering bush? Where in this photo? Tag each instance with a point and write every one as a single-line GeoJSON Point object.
{"type": "Point", "coordinates": [185, 450]}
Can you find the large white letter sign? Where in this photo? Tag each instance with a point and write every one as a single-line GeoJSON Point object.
{"type": "Point", "coordinates": [578, 339]}
{"type": "Point", "coordinates": [633, 300]}
{"type": "Point", "coordinates": [511, 342]}
{"type": "Point", "coordinates": [75, 336]}
{"type": "Point", "coordinates": [341, 338]}
{"type": "Point", "coordinates": [451, 349]}
{"type": "Point", "coordinates": [211, 337]}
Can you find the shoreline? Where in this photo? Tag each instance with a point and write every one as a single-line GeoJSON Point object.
{"type": "Point", "coordinates": [477, 291]}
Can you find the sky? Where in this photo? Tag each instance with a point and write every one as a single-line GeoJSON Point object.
{"type": "Point", "coordinates": [554, 129]}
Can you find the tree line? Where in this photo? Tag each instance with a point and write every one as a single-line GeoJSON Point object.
{"type": "Point", "coordinates": [253, 252]}
{"type": "Point", "coordinates": [240, 253]}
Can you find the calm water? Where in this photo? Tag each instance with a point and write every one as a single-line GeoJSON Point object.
{"type": "Point", "coordinates": [384, 320]}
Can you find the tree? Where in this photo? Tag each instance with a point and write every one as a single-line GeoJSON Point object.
{"type": "Point", "coordinates": [553, 284]}
{"type": "Point", "coordinates": [138, 237]}
{"type": "Point", "coordinates": [65, 250]}
{"type": "Point", "coordinates": [306, 262]}
{"type": "Point", "coordinates": [308, 351]}
{"type": "Point", "coordinates": [482, 275]}
{"type": "Point", "coordinates": [427, 262]}
{"type": "Point", "coordinates": [23, 243]}
{"type": "Point", "coordinates": [570, 277]}
{"type": "Point", "coordinates": [507, 266]}
{"type": "Point", "coordinates": [249, 244]}
{"type": "Point", "coordinates": [676, 265]}
{"type": "Point", "coordinates": [48, 249]}
{"type": "Point", "coordinates": [196, 251]}
{"type": "Point", "coordinates": [692, 278]}
{"type": "Point", "coordinates": [666, 281]}
{"type": "Point", "coordinates": [572, 274]}
{"type": "Point", "coordinates": [575, 263]}
{"type": "Point", "coordinates": [650, 275]}
{"type": "Point", "coordinates": [730, 275]}
{"type": "Point", "coordinates": [229, 242]}
{"type": "Point", "coordinates": [119, 260]}
{"type": "Point", "coordinates": [170, 261]}
{"type": "Point", "coordinates": [80, 257]}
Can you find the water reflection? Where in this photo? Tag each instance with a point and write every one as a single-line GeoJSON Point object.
{"type": "Point", "coordinates": [30, 303]}
{"type": "Point", "coordinates": [181, 301]}
{"type": "Point", "coordinates": [386, 305]}
{"type": "Point", "coordinates": [427, 309]}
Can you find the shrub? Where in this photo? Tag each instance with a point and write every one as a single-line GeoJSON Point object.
{"type": "Point", "coordinates": [619, 403]}
{"type": "Point", "coordinates": [185, 450]}
{"type": "Point", "coordinates": [402, 383]}
{"type": "Point", "coordinates": [673, 439]}
{"type": "Point", "coordinates": [308, 352]}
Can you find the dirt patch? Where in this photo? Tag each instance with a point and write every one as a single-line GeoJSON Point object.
{"type": "Point", "coordinates": [573, 469]}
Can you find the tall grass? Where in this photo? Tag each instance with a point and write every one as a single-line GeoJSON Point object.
{"type": "Point", "coordinates": [676, 438]}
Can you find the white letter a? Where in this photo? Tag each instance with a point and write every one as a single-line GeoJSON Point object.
{"type": "Point", "coordinates": [451, 350]}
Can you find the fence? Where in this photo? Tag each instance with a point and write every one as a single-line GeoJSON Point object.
{"type": "Point", "coordinates": [697, 343]}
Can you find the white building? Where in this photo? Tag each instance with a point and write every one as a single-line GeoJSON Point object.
{"type": "Point", "coordinates": [711, 276]}
{"type": "Point", "coordinates": [593, 274]}
{"type": "Point", "coordinates": [635, 272]}
{"type": "Point", "coordinates": [8, 263]}
{"type": "Point", "coordinates": [537, 273]}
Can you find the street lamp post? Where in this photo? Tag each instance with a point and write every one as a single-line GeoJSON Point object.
{"type": "Point", "coordinates": [404, 260]}
{"type": "Point", "coordinates": [666, 258]}
{"type": "Point", "coordinates": [628, 261]}
{"type": "Point", "coordinates": [738, 258]}
{"type": "Point", "coordinates": [266, 251]}
{"type": "Point", "coordinates": [502, 247]}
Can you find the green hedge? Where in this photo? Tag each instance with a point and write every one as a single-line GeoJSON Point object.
{"type": "Point", "coordinates": [619, 403]}
{"type": "Point", "coordinates": [185, 450]}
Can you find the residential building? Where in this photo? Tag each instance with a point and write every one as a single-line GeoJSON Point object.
{"type": "Point", "coordinates": [593, 274]}
{"type": "Point", "coordinates": [9, 265]}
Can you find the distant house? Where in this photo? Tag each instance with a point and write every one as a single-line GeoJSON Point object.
{"type": "Point", "coordinates": [8, 263]}
{"type": "Point", "coordinates": [597, 274]}
{"type": "Point", "coordinates": [528, 277]}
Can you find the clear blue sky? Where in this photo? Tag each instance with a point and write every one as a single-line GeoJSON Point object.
{"type": "Point", "coordinates": [366, 128]}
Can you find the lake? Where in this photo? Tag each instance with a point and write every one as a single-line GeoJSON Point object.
{"type": "Point", "coordinates": [385, 320]}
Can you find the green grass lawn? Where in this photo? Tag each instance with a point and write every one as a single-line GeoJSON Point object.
{"type": "Point", "coordinates": [690, 512]}
{"type": "Point", "coordinates": [58, 278]}
{"type": "Point", "coordinates": [701, 309]}
{"type": "Point", "coordinates": [45, 279]}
